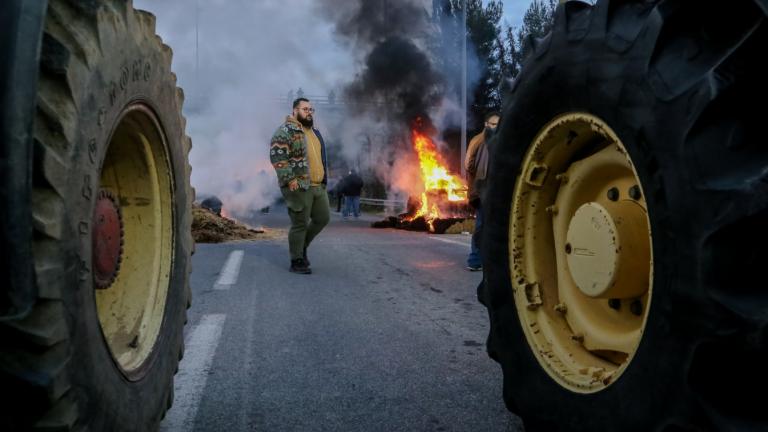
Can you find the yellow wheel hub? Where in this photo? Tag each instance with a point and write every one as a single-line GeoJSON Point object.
{"type": "Point", "coordinates": [136, 171]}
{"type": "Point", "coordinates": [580, 260]}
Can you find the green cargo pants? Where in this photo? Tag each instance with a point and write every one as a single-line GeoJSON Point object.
{"type": "Point", "coordinates": [309, 212]}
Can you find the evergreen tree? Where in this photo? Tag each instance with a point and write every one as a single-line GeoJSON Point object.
{"type": "Point", "coordinates": [484, 30]}
{"type": "Point", "coordinates": [537, 22]}
{"type": "Point", "coordinates": [484, 33]}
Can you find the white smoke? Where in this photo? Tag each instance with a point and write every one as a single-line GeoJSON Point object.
{"type": "Point", "coordinates": [237, 65]}
{"type": "Point", "coordinates": [238, 59]}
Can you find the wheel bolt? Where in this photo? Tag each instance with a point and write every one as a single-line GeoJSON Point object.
{"type": "Point", "coordinates": [614, 304]}
{"type": "Point", "coordinates": [613, 194]}
{"type": "Point", "coordinates": [634, 192]}
{"type": "Point", "coordinates": [636, 307]}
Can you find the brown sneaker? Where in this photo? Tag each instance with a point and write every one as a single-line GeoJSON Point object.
{"type": "Point", "coordinates": [300, 267]}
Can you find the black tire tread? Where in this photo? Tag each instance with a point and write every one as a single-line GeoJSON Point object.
{"type": "Point", "coordinates": [71, 46]}
{"type": "Point", "coordinates": [632, 32]}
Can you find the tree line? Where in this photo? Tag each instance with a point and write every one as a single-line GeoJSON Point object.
{"type": "Point", "coordinates": [499, 48]}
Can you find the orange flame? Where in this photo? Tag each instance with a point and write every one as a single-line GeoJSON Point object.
{"type": "Point", "coordinates": [225, 214]}
{"type": "Point", "coordinates": [435, 177]}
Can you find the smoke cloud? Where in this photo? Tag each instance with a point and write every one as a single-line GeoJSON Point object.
{"type": "Point", "coordinates": [238, 59]}
{"type": "Point", "coordinates": [236, 67]}
{"type": "Point", "coordinates": [389, 39]}
{"type": "Point", "coordinates": [410, 68]}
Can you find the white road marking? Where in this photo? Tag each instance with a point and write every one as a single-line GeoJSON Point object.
{"type": "Point", "coordinates": [193, 373]}
{"type": "Point", "coordinates": [230, 271]}
{"type": "Point", "coordinates": [449, 241]}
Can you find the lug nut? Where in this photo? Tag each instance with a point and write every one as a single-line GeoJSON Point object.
{"type": "Point", "coordinates": [636, 307]}
{"type": "Point", "coordinates": [614, 304]}
{"type": "Point", "coordinates": [613, 194]}
{"type": "Point", "coordinates": [634, 192]}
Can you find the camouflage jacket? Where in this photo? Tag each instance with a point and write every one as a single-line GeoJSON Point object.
{"type": "Point", "coordinates": [288, 154]}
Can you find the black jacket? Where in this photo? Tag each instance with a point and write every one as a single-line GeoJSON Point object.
{"type": "Point", "coordinates": [351, 185]}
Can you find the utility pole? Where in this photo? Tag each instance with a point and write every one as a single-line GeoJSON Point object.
{"type": "Point", "coordinates": [463, 87]}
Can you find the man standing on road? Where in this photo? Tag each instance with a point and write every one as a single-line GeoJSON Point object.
{"type": "Point", "coordinates": [476, 164]}
{"type": "Point", "coordinates": [353, 186]}
{"type": "Point", "coordinates": [297, 152]}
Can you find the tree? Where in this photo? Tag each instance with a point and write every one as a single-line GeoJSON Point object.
{"type": "Point", "coordinates": [537, 22]}
{"type": "Point", "coordinates": [483, 32]}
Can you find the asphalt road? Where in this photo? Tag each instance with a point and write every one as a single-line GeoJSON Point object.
{"type": "Point", "coordinates": [385, 335]}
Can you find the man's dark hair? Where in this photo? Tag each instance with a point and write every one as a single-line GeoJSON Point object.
{"type": "Point", "coordinates": [298, 101]}
{"type": "Point", "coordinates": [491, 114]}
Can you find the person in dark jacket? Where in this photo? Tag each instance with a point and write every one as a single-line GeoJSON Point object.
{"type": "Point", "coordinates": [476, 165]}
{"type": "Point", "coordinates": [352, 186]}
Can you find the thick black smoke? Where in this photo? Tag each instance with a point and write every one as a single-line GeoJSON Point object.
{"type": "Point", "coordinates": [398, 80]}
{"type": "Point", "coordinates": [399, 77]}
{"type": "Point", "coordinates": [370, 21]}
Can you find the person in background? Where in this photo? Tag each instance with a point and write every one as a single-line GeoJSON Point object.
{"type": "Point", "coordinates": [352, 187]}
{"type": "Point", "coordinates": [476, 164]}
{"type": "Point", "coordinates": [297, 153]}
{"type": "Point", "coordinates": [339, 195]}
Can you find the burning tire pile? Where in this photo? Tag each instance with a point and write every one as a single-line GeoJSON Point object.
{"type": "Point", "coordinates": [414, 220]}
{"type": "Point", "coordinates": [444, 200]}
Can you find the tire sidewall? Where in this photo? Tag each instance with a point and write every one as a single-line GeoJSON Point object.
{"type": "Point", "coordinates": [135, 70]}
{"type": "Point", "coordinates": [654, 381]}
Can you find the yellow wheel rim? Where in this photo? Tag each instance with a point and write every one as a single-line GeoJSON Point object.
{"type": "Point", "coordinates": [137, 172]}
{"type": "Point", "coordinates": [581, 253]}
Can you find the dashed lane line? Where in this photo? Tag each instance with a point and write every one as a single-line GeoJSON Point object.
{"type": "Point", "coordinates": [230, 271]}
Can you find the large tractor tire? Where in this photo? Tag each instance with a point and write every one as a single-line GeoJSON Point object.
{"type": "Point", "coordinates": [111, 242]}
{"type": "Point", "coordinates": [627, 221]}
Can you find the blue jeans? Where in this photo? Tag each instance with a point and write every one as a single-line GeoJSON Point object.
{"type": "Point", "coordinates": [351, 205]}
{"type": "Point", "coordinates": [474, 259]}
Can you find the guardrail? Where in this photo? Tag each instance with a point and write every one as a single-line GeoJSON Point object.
{"type": "Point", "coordinates": [387, 204]}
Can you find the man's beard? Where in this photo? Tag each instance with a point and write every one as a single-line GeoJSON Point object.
{"type": "Point", "coordinates": [489, 131]}
{"type": "Point", "coordinates": [305, 121]}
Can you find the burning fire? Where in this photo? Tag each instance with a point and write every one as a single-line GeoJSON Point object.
{"type": "Point", "coordinates": [436, 178]}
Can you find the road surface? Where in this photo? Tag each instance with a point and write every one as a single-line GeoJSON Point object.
{"type": "Point", "coordinates": [385, 335]}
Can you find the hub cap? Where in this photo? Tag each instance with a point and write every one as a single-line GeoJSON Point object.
{"type": "Point", "coordinates": [580, 253]}
{"type": "Point", "coordinates": [107, 240]}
